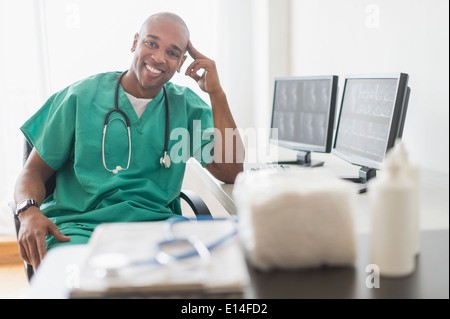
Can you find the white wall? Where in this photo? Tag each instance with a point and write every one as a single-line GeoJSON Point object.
{"type": "Point", "coordinates": [384, 36]}
{"type": "Point", "coordinates": [87, 37]}
{"type": "Point", "coordinates": [21, 87]}
{"type": "Point", "coordinates": [270, 57]}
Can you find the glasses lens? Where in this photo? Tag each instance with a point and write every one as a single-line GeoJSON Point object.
{"type": "Point", "coordinates": [181, 249]}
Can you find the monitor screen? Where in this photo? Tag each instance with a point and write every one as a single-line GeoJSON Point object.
{"type": "Point", "coordinates": [373, 110]}
{"type": "Point", "coordinates": [303, 112]}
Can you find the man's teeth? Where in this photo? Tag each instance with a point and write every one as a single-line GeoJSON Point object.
{"type": "Point", "coordinates": [153, 70]}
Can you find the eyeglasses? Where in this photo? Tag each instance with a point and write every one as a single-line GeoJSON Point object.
{"type": "Point", "coordinates": [173, 252]}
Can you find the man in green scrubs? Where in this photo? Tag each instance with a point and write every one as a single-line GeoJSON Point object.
{"type": "Point", "coordinates": [67, 139]}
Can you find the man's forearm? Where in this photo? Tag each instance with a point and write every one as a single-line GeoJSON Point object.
{"type": "Point", "coordinates": [228, 153]}
{"type": "Point", "coordinates": [29, 185]}
{"type": "Point", "coordinates": [228, 161]}
{"type": "Point", "coordinates": [31, 181]}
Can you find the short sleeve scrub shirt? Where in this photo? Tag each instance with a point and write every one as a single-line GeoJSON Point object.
{"type": "Point", "coordinates": [67, 133]}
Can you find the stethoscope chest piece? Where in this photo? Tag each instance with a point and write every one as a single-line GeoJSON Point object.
{"type": "Point", "coordinates": [165, 160]}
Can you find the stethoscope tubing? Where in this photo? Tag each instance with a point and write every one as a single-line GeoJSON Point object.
{"type": "Point", "coordinates": [165, 159]}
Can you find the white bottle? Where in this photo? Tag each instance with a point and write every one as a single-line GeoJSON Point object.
{"type": "Point", "coordinates": [412, 174]}
{"type": "Point", "coordinates": [391, 208]}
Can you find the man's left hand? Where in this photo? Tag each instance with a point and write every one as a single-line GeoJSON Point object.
{"type": "Point", "coordinates": [209, 80]}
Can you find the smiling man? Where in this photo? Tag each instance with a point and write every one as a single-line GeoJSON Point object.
{"type": "Point", "coordinates": [159, 52]}
{"type": "Point", "coordinates": [106, 138]}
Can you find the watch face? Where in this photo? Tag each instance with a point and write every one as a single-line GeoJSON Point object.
{"type": "Point", "coordinates": [24, 205]}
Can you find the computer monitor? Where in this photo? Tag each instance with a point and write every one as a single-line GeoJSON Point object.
{"type": "Point", "coordinates": [303, 115]}
{"type": "Point", "coordinates": [371, 119]}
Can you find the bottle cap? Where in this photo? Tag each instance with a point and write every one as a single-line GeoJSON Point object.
{"type": "Point", "coordinates": [391, 163]}
{"type": "Point", "coordinates": [400, 153]}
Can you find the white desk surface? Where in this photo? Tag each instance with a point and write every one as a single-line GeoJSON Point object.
{"type": "Point", "coordinates": [430, 281]}
{"type": "Point", "coordinates": [434, 191]}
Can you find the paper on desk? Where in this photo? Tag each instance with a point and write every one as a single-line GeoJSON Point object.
{"type": "Point", "coordinates": [226, 272]}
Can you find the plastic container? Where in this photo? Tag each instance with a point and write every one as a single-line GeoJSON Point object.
{"type": "Point", "coordinates": [412, 173]}
{"type": "Point", "coordinates": [392, 208]}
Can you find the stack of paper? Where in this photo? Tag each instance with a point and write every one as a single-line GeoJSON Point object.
{"type": "Point", "coordinates": [121, 262]}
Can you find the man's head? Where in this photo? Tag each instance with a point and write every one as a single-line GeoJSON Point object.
{"type": "Point", "coordinates": [159, 51]}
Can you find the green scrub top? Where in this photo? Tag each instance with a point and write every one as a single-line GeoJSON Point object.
{"type": "Point", "coordinates": [67, 133]}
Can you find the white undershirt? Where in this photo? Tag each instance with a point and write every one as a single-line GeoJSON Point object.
{"type": "Point", "coordinates": [139, 105]}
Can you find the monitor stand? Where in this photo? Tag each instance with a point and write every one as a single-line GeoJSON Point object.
{"type": "Point", "coordinates": [303, 159]}
{"type": "Point", "coordinates": [365, 174]}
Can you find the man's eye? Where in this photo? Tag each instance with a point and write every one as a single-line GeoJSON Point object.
{"type": "Point", "coordinates": [173, 54]}
{"type": "Point", "coordinates": [151, 43]}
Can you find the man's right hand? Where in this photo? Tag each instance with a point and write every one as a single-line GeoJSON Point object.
{"type": "Point", "coordinates": [34, 227]}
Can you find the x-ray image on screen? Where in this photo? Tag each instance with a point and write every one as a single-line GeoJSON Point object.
{"type": "Point", "coordinates": [366, 117]}
{"type": "Point", "coordinates": [372, 116]}
{"type": "Point", "coordinates": [303, 112]}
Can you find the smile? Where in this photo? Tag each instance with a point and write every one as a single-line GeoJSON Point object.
{"type": "Point", "coordinates": [153, 70]}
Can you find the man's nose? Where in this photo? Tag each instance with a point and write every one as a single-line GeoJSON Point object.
{"type": "Point", "coordinates": [158, 57]}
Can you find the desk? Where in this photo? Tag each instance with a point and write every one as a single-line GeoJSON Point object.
{"type": "Point", "coordinates": [434, 196]}
{"type": "Point", "coordinates": [224, 192]}
{"type": "Point", "coordinates": [430, 280]}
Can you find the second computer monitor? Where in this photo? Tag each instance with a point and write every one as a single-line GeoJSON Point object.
{"type": "Point", "coordinates": [372, 116]}
{"type": "Point", "coordinates": [303, 115]}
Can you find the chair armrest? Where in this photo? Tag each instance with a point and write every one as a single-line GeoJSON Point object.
{"type": "Point", "coordinates": [195, 202]}
{"type": "Point", "coordinates": [16, 221]}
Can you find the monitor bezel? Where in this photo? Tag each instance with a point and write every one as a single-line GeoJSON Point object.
{"type": "Point", "coordinates": [396, 124]}
{"type": "Point", "coordinates": [297, 146]}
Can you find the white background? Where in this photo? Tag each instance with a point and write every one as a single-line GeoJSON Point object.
{"type": "Point", "coordinates": [47, 44]}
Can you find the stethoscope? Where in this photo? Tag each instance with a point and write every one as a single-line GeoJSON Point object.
{"type": "Point", "coordinates": [164, 160]}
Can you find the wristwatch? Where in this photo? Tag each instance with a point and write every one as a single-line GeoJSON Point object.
{"type": "Point", "coordinates": [24, 205]}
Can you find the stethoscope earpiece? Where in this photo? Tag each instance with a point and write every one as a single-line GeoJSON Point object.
{"type": "Point", "coordinates": [118, 169]}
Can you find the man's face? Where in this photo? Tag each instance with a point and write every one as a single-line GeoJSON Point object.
{"type": "Point", "coordinates": [159, 51]}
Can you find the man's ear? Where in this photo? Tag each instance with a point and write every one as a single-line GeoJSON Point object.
{"type": "Point", "coordinates": [181, 63]}
{"type": "Point", "coordinates": [135, 42]}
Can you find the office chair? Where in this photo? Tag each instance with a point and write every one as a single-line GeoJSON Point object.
{"type": "Point", "coordinates": [194, 201]}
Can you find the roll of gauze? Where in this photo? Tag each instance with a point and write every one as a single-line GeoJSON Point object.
{"type": "Point", "coordinates": [297, 218]}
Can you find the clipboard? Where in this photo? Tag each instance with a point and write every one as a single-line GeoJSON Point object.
{"type": "Point", "coordinates": [119, 263]}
